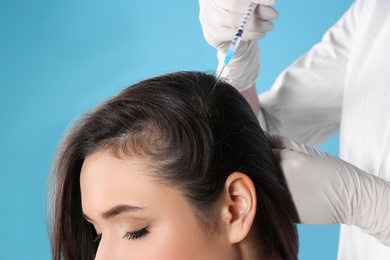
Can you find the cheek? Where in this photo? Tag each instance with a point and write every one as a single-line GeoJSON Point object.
{"type": "Point", "coordinates": [182, 238]}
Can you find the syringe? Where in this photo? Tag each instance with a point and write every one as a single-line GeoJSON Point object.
{"type": "Point", "coordinates": [237, 38]}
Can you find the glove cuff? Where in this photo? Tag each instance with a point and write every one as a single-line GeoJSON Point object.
{"type": "Point", "coordinates": [244, 68]}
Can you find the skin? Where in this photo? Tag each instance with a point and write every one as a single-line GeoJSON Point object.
{"type": "Point", "coordinates": [173, 230]}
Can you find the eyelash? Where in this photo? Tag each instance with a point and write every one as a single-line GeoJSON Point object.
{"type": "Point", "coordinates": [136, 234]}
{"type": "Point", "coordinates": [129, 235]}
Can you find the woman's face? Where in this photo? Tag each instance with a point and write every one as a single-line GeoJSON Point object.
{"type": "Point", "coordinates": [139, 218]}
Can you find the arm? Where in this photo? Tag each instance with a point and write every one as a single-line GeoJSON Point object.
{"type": "Point", "coordinates": [305, 101]}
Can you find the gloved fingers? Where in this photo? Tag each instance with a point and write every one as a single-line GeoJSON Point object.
{"type": "Point", "coordinates": [237, 10]}
{"type": "Point", "coordinates": [239, 6]}
{"type": "Point", "coordinates": [264, 2]}
{"type": "Point", "coordinates": [294, 160]}
{"type": "Point", "coordinates": [326, 189]}
{"type": "Point", "coordinates": [277, 154]}
{"type": "Point", "coordinates": [260, 21]}
{"type": "Point", "coordinates": [226, 34]}
{"type": "Point", "coordinates": [282, 142]}
{"type": "Point", "coordinates": [308, 188]}
{"type": "Point", "coordinates": [256, 29]}
{"type": "Point", "coordinates": [255, 25]}
{"type": "Point", "coordinates": [217, 40]}
{"type": "Point", "coordinates": [215, 30]}
{"type": "Point", "coordinates": [224, 19]}
{"type": "Point", "coordinates": [266, 12]}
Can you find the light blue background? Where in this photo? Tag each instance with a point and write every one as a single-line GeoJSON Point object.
{"type": "Point", "coordinates": [60, 58]}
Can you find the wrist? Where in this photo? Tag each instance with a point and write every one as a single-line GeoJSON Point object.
{"type": "Point", "coordinates": [250, 95]}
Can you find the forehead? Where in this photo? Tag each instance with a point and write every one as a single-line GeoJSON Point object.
{"type": "Point", "coordinates": [103, 174]}
{"type": "Point", "coordinates": [107, 181]}
{"type": "Point", "coordinates": [102, 169]}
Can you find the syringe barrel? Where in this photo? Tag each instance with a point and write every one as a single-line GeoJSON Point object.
{"type": "Point", "coordinates": [236, 41]}
{"type": "Point", "coordinates": [247, 15]}
{"type": "Point", "coordinates": [237, 38]}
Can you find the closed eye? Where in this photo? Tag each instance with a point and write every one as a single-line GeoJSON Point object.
{"type": "Point", "coordinates": [136, 234]}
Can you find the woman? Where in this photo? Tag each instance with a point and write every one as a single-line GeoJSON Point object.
{"type": "Point", "coordinates": [168, 164]}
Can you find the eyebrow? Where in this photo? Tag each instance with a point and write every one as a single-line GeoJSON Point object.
{"type": "Point", "coordinates": [119, 209]}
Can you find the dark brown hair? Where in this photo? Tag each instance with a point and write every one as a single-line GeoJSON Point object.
{"type": "Point", "coordinates": [196, 131]}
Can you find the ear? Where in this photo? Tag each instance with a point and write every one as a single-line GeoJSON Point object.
{"type": "Point", "coordinates": [239, 206]}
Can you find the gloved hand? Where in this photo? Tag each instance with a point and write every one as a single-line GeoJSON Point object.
{"type": "Point", "coordinates": [220, 20]}
{"type": "Point", "coordinates": [326, 189]}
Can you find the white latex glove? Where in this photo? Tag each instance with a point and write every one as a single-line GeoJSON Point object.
{"type": "Point", "coordinates": [327, 190]}
{"type": "Point", "coordinates": [220, 20]}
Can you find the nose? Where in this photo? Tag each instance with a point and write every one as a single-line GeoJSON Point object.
{"type": "Point", "coordinates": [112, 248]}
{"type": "Point", "coordinates": [99, 253]}
{"type": "Point", "coordinates": [104, 251]}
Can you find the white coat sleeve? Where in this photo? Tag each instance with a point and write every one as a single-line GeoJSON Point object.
{"type": "Point", "coordinates": [306, 99]}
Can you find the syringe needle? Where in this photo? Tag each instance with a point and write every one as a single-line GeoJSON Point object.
{"type": "Point", "coordinates": [220, 73]}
